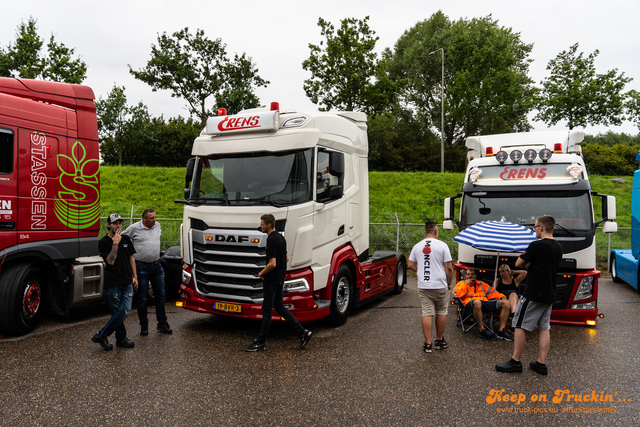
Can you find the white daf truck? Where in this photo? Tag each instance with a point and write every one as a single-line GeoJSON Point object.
{"type": "Point", "coordinates": [517, 177]}
{"type": "Point", "coordinates": [310, 171]}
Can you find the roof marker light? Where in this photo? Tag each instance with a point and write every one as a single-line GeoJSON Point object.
{"type": "Point", "coordinates": [275, 106]}
{"type": "Point", "coordinates": [222, 111]}
{"type": "Point", "coordinates": [489, 151]}
{"type": "Point", "coordinates": [557, 148]}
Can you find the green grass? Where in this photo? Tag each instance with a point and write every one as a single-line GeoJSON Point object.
{"type": "Point", "coordinates": [413, 196]}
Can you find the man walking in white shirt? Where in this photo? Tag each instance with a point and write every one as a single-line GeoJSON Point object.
{"type": "Point", "coordinates": [431, 260]}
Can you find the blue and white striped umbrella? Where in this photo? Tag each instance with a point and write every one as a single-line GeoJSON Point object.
{"type": "Point", "coordinates": [501, 236]}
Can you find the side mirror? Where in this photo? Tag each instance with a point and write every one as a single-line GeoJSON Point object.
{"type": "Point", "coordinates": [447, 225]}
{"type": "Point", "coordinates": [610, 207]}
{"type": "Point", "coordinates": [188, 175]}
{"type": "Point", "coordinates": [336, 164]}
{"type": "Point", "coordinates": [335, 192]}
{"type": "Point", "coordinates": [610, 227]}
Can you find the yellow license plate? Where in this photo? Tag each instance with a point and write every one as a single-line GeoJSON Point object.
{"type": "Point", "coordinates": [222, 306]}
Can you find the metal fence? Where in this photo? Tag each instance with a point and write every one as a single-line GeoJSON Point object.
{"type": "Point", "coordinates": [170, 225]}
{"type": "Point", "coordinates": [389, 236]}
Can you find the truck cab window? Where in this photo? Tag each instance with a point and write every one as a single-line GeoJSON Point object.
{"type": "Point", "coordinates": [324, 177]}
{"type": "Point", "coordinates": [6, 151]}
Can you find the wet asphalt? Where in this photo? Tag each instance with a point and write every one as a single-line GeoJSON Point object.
{"type": "Point", "coordinates": [369, 372]}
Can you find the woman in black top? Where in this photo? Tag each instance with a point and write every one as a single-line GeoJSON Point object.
{"type": "Point", "coordinates": [507, 283]}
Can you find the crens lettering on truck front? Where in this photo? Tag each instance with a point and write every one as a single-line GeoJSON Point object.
{"type": "Point", "coordinates": [237, 123]}
{"type": "Point", "coordinates": [39, 180]}
{"type": "Point", "coordinates": [523, 173]}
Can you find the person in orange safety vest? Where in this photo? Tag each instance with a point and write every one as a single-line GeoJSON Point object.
{"type": "Point", "coordinates": [480, 297]}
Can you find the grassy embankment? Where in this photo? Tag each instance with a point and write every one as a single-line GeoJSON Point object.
{"type": "Point", "coordinates": [412, 196]}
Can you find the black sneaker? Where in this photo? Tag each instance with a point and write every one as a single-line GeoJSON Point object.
{"type": "Point", "coordinates": [305, 338]}
{"type": "Point", "coordinates": [427, 347]}
{"type": "Point", "coordinates": [125, 342]}
{"type": "Point", "coordinates": [255, 346]}
{"type": "Point", "coordinates": [144, 329]}
{"type": "Point", "coordinates": [509, 366]}
{"type": "Point", "coordinates": [539, 367]}
{"type": "Point", "coordinates": [487, 335]}
{"type": "Point", "coordinates": [504, 335]}
{"type": "Point", "coordinates": [164, 328]}
{"type": "Point", "coordinates": [440, 344]}
{"type": "Point", "coordinates": [104, 343]}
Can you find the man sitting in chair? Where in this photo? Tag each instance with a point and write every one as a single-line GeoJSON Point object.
{"type": "Point", "coordinates": [480, 297]}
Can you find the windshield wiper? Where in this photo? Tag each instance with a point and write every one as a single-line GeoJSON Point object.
{"type": "Point", "coordinates": [565, 229]}
{"type": "Point", "coordinates": [260, 201]}
{"type": "Point", "coordinates": [203, 200]}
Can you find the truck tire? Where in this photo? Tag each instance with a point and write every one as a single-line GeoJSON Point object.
{"type": "Point", "coordinates": [401, 275]}
{"type": "Point", "coordinates": [20, 298]}
{"type": "Point", "coordinates": [341, 297]}
{"type": "Point", "coordinates": [614, 270]}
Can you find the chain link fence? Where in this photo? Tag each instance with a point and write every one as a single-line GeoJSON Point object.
{"type": "Point", "coordinates": [395, 235]}
{"type": "Point", "coordinates": [132, 214]}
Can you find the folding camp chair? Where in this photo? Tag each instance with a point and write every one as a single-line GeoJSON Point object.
{"type": "Point", "coordinates": [465, 318]}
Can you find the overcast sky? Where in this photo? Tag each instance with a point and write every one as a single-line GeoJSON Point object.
{"type": "Point", "coordinates": [108, 35]}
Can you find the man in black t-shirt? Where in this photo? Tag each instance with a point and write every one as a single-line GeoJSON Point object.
{"type": "Point", "coordinates": [273, 275]}
{"type": "Point", "coordinates": [120, 279]}
{"type": "Point", "coordinates": [541, 260]}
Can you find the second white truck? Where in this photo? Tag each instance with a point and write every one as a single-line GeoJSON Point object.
{"type": "Point", "coordinates": [517, 177]}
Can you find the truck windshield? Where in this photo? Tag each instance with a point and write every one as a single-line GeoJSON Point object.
{"type": "Point", "coordinates": [571, 209]}
{"type": "Point", "coordinates": [254, 178]}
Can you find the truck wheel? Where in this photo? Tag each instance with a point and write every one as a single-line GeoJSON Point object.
{"type": "Point", "coordinates": [614, 270]}
{"type": "Point", "coordinates": [20, 299]}
{"type": "Point", "coordinates": [401, 275]}
{"type": "Point", "coordinates": [341, 297]}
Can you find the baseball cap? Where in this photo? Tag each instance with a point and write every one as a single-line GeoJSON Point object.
{"type": "Point", "coordinates": [113, 218]}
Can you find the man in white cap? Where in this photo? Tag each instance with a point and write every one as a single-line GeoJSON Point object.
{"type": "Point", "coordinates": [120, 279]}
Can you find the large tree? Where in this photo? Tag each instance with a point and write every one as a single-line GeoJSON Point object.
{"type": "Point", "coordinates": [576, 93]}
{"type": "Point", "coordinates": [345, 71]}
{"type": "Point", "coordinates": [25, 59]}
{"type": "Point", "coordinates": [123, 129]}
{"type": "Point", "coordinates": [486, 85]}
{"type": "Point", "coordinates": [633, 107]}
{"type": "Point", "coordinates": [196, 69]}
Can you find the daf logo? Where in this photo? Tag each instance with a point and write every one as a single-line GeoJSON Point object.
{"type": "Point", "coordinates": [231, 239]}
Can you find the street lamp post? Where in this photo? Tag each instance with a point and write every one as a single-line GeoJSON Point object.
{"type": "Point", "coordinates": [442, 112]}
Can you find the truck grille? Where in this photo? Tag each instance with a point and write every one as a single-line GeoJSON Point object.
{"type": "Point", "coordinates": [228, 272]}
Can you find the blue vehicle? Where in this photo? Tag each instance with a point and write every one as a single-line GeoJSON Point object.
{"type": "Point", "coordinates": [624, 262]}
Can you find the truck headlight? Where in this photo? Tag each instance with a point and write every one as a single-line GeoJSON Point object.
{"type": "Point", "coordinates": [584, 306]}
{"type": "Point", "coordinates": [585, 290]}
{"type": "Point", "coordinates": [186, 276]}
{"type": "Point", "coordinates": [296, 285]}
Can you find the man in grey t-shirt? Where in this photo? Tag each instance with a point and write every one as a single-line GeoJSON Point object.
{"type": "Point", "coordinates": [145, 236]}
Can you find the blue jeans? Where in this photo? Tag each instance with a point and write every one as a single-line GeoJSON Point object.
{"type": "Point", "coordinates": [272, 298]}
{"type": "Point", "coordinates": [119, 299]}
{"type": "Point", "coordinates": [155, 274]}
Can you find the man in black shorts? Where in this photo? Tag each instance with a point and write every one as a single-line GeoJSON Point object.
{"type": "Point", "coordinates": [273, 275]}
{"type": "Point", "coordinates": [541, 260]}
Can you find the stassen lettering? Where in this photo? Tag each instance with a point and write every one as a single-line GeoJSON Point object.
{"type": "Point", "coordinates": [238, 123]}
{"type": "Point", "coordinates": [231, 239]}
{"type": "Point", "coordinates": [523, 173]}
{"type": "Point", "coordinates": [39, 180]}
